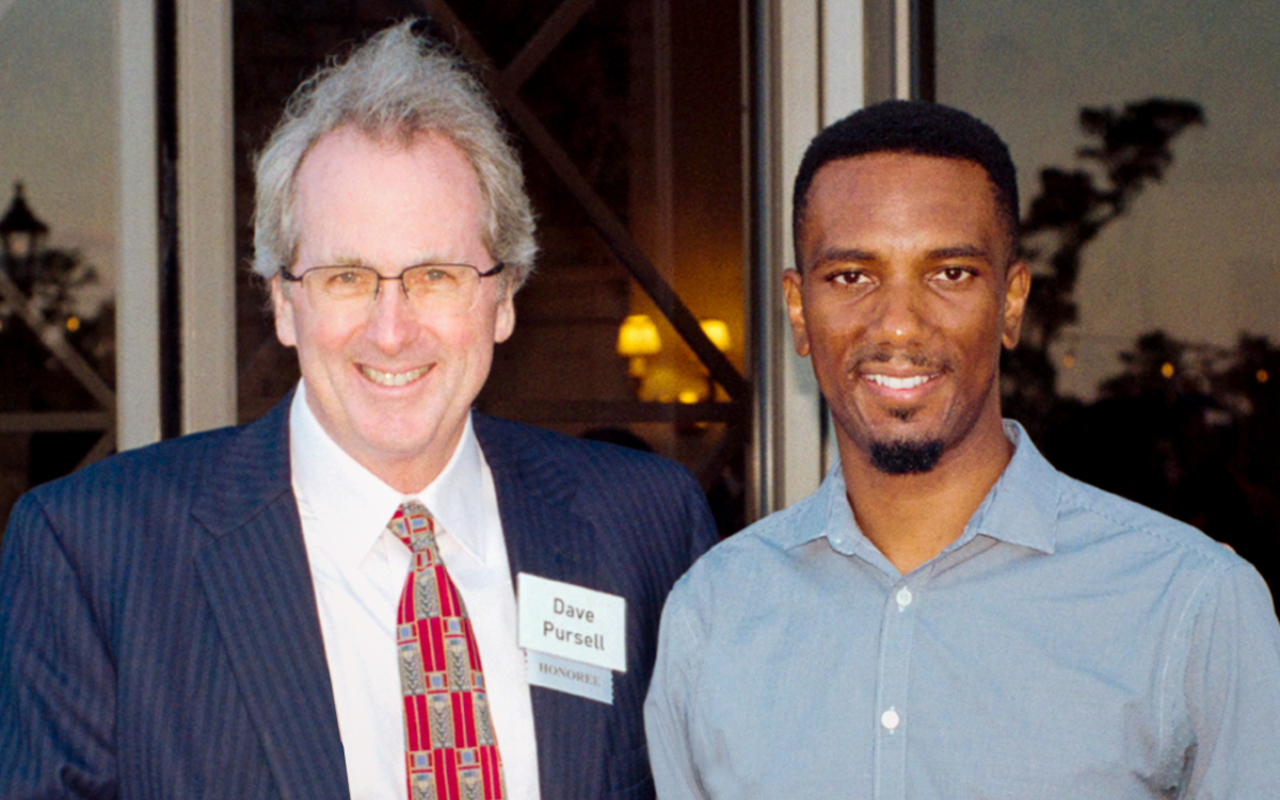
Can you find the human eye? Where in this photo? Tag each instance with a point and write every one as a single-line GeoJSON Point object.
{"type": "Point", "coordinates": [431, 278]}
{"type": "Point", "coordinates": [954, 275]}
{"type": "Point", "coordinates": [344, 281]}
{"type": "Point", "coordinates": [847, 276]}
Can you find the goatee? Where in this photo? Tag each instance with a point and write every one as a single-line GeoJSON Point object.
{"type": "Point", "coordinates": [905, 457]}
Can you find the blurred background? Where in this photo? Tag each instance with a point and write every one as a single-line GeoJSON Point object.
{"type": "Point", "coordinates": [660, 138]}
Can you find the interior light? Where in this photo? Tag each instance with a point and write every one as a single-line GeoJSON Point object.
{"type": "Point", "coordinates": [637, 338]}
{"type": "Point", "coordinates": [717, 332]}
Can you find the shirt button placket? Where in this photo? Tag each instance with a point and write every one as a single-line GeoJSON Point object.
{"type": "Point", "coordinates": [892, 703]}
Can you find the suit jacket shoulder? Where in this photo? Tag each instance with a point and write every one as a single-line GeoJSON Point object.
{"type": "Point", "coordinates": [597, 478]}
{"type": "Point", "coordinates": [158, 632]}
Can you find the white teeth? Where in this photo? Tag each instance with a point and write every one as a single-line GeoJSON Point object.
{"type": "Point", "coordinates": [393, 378]}
{"type": "Point", "coordinates": [891, 382]}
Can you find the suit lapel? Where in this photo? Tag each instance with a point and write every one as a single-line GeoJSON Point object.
{"type": "Point", "coordinates": [545, 538]}
{"type": "Point", "coordinates": [255, 574]}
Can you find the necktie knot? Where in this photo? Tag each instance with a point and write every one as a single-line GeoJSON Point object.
{"type": "Point", "coordinates": [416, 527]}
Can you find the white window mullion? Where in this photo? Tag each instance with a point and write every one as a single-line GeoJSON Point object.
{"type": "Point", "coordinates": [137, 241]}
{"type": "Point", "coordinates": [206, 214]}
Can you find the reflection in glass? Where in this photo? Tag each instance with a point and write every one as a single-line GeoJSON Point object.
{"type": "Point", "coordinates": [1144, 133]}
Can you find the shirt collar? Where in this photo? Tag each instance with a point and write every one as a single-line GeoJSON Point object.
{"type": "Point", "coordinates": [351, 499]}
{"type": "Point", "coordinates": [454, 496]}
{"type": "Point", "coordinates": [1021, 508]}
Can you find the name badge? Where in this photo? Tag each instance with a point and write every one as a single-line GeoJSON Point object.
{"type": "Point", "coordinates": [571, 677]}
{"type": "Point", "coordinates": [572, 622]}
{"type": "Point", "coordinates": [573, 637]}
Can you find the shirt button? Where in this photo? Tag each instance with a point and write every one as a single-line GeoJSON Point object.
{"type": "Point", "coordinates": [890, 719]}
{"type": "Point", "coordinates": [904, 597]}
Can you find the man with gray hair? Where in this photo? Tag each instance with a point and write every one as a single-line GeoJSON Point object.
{"type": "Point", "coordinates": [323, 603]}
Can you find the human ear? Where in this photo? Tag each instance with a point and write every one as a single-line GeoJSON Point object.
{"type": "Point", "coordinates": [286, 331]}
{"type": "Point", "coordinates": [792, 285]}
{"type": "Point", "coordinates": [1017, 287]}
{"type": "Point", "coordinates": [505, 318]}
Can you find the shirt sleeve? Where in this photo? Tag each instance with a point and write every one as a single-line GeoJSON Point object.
{"type": "Point", "coordinates": [57, 679]}
{"type": "Point", "coordinates": [667, 707]}
{"type": "Point", "coordinates": [1232, 689]}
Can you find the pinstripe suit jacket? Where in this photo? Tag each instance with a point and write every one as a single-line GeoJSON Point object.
{"type": "Point", "coordinates": [159, 635]}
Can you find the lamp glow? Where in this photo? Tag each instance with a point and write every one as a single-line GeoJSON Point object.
{"type": "Point", "coordinates": [717, 332]}
{"type": "Point", "coordinates": [638, 337]}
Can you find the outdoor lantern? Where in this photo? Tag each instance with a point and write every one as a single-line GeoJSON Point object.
{"type": "Point", "coordinates": [21, 236]}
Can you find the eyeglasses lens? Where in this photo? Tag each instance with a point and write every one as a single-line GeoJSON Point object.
{"type": "Point", "coordinates": [429, 287]}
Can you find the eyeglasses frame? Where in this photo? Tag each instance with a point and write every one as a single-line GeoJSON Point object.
{"type": "Point", "coordinates": [481, 274]}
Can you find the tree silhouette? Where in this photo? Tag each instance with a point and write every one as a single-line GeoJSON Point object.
{"type": "Point", "coordinates": [59, 284]}
{"type": "Point", "coordinates": [1189, 429]}
{"type": "Point", "coordinates": [1130, 149]}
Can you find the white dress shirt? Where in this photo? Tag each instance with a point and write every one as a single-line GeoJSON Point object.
{"type": "Point", "coordinates": [359, 572]}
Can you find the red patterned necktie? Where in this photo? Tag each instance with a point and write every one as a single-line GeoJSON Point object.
{"type": "Point", "coordinates": [450, 750]}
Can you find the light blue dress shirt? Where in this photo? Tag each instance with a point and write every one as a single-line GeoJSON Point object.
{"type": "Point", "coordinates": [1070, 644]}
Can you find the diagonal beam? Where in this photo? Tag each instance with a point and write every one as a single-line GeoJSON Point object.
{"type": "Point", "coordinates": [624, 247]}
{"type": "Point", "coordinates": [101, 450]}
{"type": "Point", "coordinates": [51, 336]}
{"type": "Point", "coordinates": [540, 45]}
{"type": "Point", "coordinates": [606, 223]}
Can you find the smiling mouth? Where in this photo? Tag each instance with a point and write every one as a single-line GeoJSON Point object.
{"type": "Point", "coordinates": [890, 382]}
{"type": "Point", "coordinates": [393, 378]}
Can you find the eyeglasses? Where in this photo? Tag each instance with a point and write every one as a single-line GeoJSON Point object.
{"type": "Point", "coordinates": [437, 288]}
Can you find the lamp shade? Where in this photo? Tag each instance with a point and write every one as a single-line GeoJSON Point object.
{"type": "Point", "coordinates": [638, 336]}
{"type": "Point", "coordinates": [717, 332]}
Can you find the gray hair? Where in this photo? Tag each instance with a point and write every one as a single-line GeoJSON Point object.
{"type": "Point", "coordinates": [395, 85]}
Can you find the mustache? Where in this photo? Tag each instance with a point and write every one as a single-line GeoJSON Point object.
{"type": "Point", "coordinates": [932, 362]}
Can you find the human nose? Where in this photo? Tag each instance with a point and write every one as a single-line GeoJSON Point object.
{"type": "Point", "coordinates": [899, 316]}
{"type": "Point", "coordinates": [396, 279]}
{"type": "Point", "coordinates": [391, 324]}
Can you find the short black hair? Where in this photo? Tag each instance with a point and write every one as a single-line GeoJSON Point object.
{"type": "Point", "coordinates": [918, 128]}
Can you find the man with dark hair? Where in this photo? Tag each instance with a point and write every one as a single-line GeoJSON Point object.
{"type": "Point", "coordinates": [948, 616]}
{"type": "Point", "coordinates": [323, 603]}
